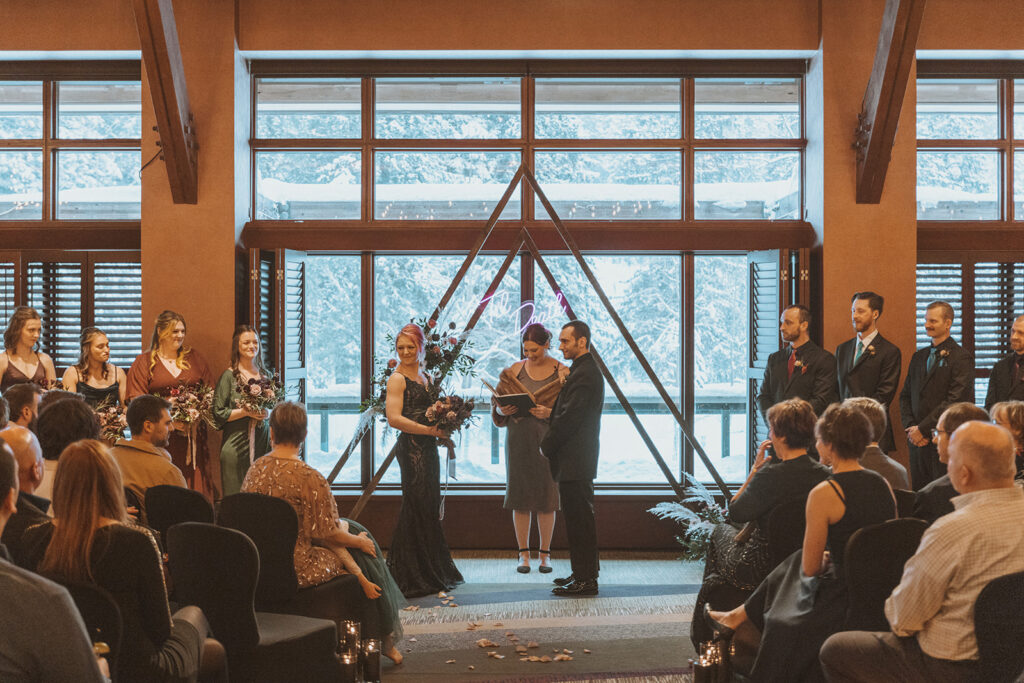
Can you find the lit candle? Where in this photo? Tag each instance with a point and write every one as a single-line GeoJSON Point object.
{"type": "Point", "coordinates": [349, 668]}
{"type": "Point", "coordinates": [350, 638]}
{"type": "Point", "coordinates": [371, 660]}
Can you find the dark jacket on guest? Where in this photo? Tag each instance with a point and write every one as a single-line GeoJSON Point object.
{"type": "Point", "coordinates": [934, 500]}
{"type": "Point", "coordinates": [814, 380]}
{"type": "Point", "coordinates": [777, 483]}
{"type": "Point", "coordinates": [572, 440]}
{"type": "Point", "coordinates": [31, 511]}
{"type": "Point", "coordinates": [927, 394]}
{"type": "Point", "coordinates": [1002, 385]}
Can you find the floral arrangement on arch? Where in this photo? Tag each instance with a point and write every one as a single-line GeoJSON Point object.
{"type": "Point", "coordinates": [698, 513]}
{"type": "Point", "coordinates": [259, 393]}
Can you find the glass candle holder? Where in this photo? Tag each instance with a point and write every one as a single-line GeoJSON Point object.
{"type": "Point", "coordinates": [371, 660]}
{"type": "Point", "coordinates": [350, 641]}
{"type": "Point", "coordinates": [349, 668]}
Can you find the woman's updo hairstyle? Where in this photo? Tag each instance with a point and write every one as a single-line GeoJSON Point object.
{"type": "Point", "coordinates": [536, 333]}
{"type": "Point", "coordinates": [415, 334]}
{"type": "Point", "coordinates": [845, 429]}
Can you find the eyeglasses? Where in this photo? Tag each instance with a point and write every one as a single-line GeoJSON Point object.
{"type": "Point", "coordinates": [936, 432]}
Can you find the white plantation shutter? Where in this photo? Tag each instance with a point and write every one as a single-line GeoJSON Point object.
{"type": "Point", "coordinates": [54, 289]}
{"type": "Point", "coordinates": [940, 282]}
{"type": "Point", "coordinates": [8, 282]}
{"type": "Point", "coordinates": [764, 272]}
{"type": "Point", "coordinates": [117, 308]}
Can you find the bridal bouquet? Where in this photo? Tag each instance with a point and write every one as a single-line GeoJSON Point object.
{"type": "Point", "coordinates": [450, 413]}
{"type": "Point", "coordinates": [259, 394]}
{"type": "Point", "coordinates": [112, 420]}
{"type": "Point", "coordinates": [191, 403]}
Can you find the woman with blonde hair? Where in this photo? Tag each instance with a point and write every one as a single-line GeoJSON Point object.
{"type": "Point", "coordinates": [94, 376]}
{"type": "Point", "coordinates": [22, 361]}
{"type": "Point", "coordinates": [169, 365]}
{"type": "Point", "coordinates": [90, 541]}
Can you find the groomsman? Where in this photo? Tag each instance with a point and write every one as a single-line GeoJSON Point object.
{"type": "Point", "coordinates": [939, 375]}
{"type": "Point", "coordinates": [869, 364]}
{"type": "Point", "coordinates": [800, 370]}
{"type": "Point", "coordinates": [1004, 384]}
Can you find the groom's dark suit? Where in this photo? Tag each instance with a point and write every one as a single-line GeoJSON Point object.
{"type": "Point", "coordinates": [571, 446]}
{"type": "Point", "coordinates": [876, 374]}
{"type": "Point", "coordinates": [813, 378]}
{"type": "Point", "coordinates": [926, 394]}
{"type": "Point", "coordinates": [1004, 384]}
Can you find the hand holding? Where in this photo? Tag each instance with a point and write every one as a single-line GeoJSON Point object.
{"type": "Point", "coordinates": [179, 426]}
{"type": "Point", "coordinates": [508, 410]}
{"type": "Point", "coordinates": [436, 432]}
{"type": "Point", "coordinates": [915, 437]}
{"type": "Point", "coordinates": [258, 415]}
{"type": "Point", "coordinates": [541, 412]}
{"type": "Point", "coordinates": [365, 543]}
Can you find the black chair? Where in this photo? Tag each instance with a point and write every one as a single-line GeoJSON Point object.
{"type": "Point", "coordinates": [216, 569]}
{"type": "Point", "coordinates": [999, 628]}
{"type": "Point", "coordinates": [786, 529]}
{"type": "Point", "coordinates": [102, 618]}
{"type": "Point", "coordinates": [873, 567]}
{"type": "Point", "coordinates": [132, 500]}
{"type": "Point", "coordinates": [905, 501]}
{"type": "Point", "coordinates": [272, 525]}
{"type": "Point", "coordinates": [169, 505]}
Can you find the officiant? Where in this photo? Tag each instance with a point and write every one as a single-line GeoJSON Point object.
{"type": "Point", "coordinates": [526, 393]}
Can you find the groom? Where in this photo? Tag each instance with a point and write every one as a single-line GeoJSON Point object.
{"type": "Point", "coordinates": [571, 446]}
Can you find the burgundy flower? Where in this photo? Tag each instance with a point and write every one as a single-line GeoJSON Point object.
{"type": "Point", "coordinates": [453, 341]}
{"type": "Point", "coordinates": [392, 363]}
{"type": "Point", "coordinates": [431, 324]}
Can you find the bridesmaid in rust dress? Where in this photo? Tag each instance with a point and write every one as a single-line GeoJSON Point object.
{"type": "Point", "coordinates": [22, 361]}
{"type": "Point", "coordinates": [167, 365]}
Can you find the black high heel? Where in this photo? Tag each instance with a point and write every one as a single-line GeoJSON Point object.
{"type": "Point", "coordinates": [545, 569]}
{"type": "Point", "coordinates": [723, 631]}
{"type": "Point", "coordinates": [524, 568]}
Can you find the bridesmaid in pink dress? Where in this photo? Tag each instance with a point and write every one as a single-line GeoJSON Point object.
{"type": "Point", "coordinates": [22, 361]}
{"type": "Point", "coordinates": [167, 365]}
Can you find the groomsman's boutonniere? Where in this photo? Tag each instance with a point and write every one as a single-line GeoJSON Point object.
{"type": "Point", "coordinates": [943, 354]}
{"type": "Point", "coordinates": [801, 366]}
{"type": "Point", "coordinates": [871, 350]}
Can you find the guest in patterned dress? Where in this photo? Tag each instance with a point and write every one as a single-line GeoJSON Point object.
{"type": "Point", "coordinates": [22, 361]}
{"type": "Point", "coordinates": [322, 550]}
{"type": "Point", "coordinates": [168, 365]}
{"type": "Point", "coordinates": [529, 487]}
{"type": "Point", "coordinates": [93, 376]}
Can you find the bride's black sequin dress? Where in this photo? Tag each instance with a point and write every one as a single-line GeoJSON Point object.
{"type": "Point", "coordinates": [419, 558]}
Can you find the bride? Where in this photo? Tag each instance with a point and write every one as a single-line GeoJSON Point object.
{"type": "Point", "coordinates": [419, 558]}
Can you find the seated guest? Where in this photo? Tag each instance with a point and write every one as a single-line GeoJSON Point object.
{"type": "Point", "coordinates": [90, 541]}
{"type": "Point", "coordinates": [5, 413]}
{"type": "Point", "coordinates": [931, 611]}
{"type": "Point", "coordinates": [60, 424]}
{"type": "Point", "coordinates": [1010, 416]}
{"type": "Point", "coordinates": [935, 499]}
{"type": "Point", "coordinates": [742, 563]}
{"type": "Point", "coordinates": [142, 458]}
{"type": "Point", "coordinates": [23, 404]}
{"type": "Point", "coordinates": [53, 395]}
{"type": "Point", "coordinates": [322, 548]}
{"type": "Point", "coordinates": [32, 509]}
{"type": "Point", "coordinates": [874, 458]}
{"type": "Point", "coordinates": [36, 614]}
{"type": "Point", "coordinates": [803, 600]}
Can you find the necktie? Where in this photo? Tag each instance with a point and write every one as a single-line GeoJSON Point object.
{"type": "Point", "coordinates": [860, 350]}
{"type": "Point", "coordinates": [792, 362]}
{"type": "Point", "coordinates": [931, 358]}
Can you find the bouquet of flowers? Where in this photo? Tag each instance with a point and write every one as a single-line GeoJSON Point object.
{"type": "Point", "coordinates": [450, 413]}
{"type": "Point", "coordinates": [259, 394]}
{"type": "Point", "coordinates": [191, 403]}
{"type": "Point", "coordinates": [112, 420]}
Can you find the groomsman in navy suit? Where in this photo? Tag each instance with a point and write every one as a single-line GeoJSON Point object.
{"type": "Point", "coordinates": [869, 364]}
{"type": "Point", "coordinates": [1005, 383]}
{"type": "Point", "coordinates": [939, 375]}
{"type": "Point", "coordinates": [802, 369]}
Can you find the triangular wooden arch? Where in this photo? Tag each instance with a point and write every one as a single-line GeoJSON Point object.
{"type": "Point", "coordinates": [524, 174]}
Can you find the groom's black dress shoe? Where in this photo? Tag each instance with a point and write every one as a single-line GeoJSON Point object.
{"type": "Point", "coordinates": [588, 587]}
{"type": "Point", "coordinates": [564, 582]}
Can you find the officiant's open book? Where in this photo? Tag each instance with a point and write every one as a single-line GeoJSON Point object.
{"type": "Point", "coordinates": [521, 401]}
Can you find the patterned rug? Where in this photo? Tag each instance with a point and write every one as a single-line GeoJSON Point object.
{"type": "Point", "coordinates": [504, 626]}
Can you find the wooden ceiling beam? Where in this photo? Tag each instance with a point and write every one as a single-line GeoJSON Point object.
{"type": "Point", "coordinates": [883, 99]}
{"type": "Point", "coordinates": [161, 56]}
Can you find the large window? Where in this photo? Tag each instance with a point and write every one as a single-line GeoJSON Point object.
{"type": "Point", "coordinates": [648, 292]}
{"type": "Point", "coordinates": [69, 149]}
{"type": "Point", "coordinates": [375, 147]}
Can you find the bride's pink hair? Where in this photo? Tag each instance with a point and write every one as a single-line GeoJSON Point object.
{"type": "Point", "coordinates": [415, 334]}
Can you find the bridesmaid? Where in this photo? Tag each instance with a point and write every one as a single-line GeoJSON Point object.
{"type": "Point", "coordinates": [94, 377]}
{"type": "Point", "coordinates": [167, 365]}
{"type": "Point", "coordinates": [246, 364]}
{"type": "Point", "coordinates": [529, 486]}
{"type": "Point", "coordinates": [22, 361]}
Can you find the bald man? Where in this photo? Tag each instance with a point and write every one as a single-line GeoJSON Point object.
{"type": "Point", "coordinates": [931, 612]}
{"type": "Point", "coordinates": [31, 509]}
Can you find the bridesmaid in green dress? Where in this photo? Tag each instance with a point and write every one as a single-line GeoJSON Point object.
{"type": "Point", "coordinates": [235, 453]}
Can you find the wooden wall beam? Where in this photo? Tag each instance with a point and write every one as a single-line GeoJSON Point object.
{"type": "Point", "coordinates": [883, 99]}
{"type": "Point", "coordinates": [161, 56]}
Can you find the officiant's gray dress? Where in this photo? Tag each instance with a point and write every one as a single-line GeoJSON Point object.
{"type": "Point", "coordinates": [530, 486]}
